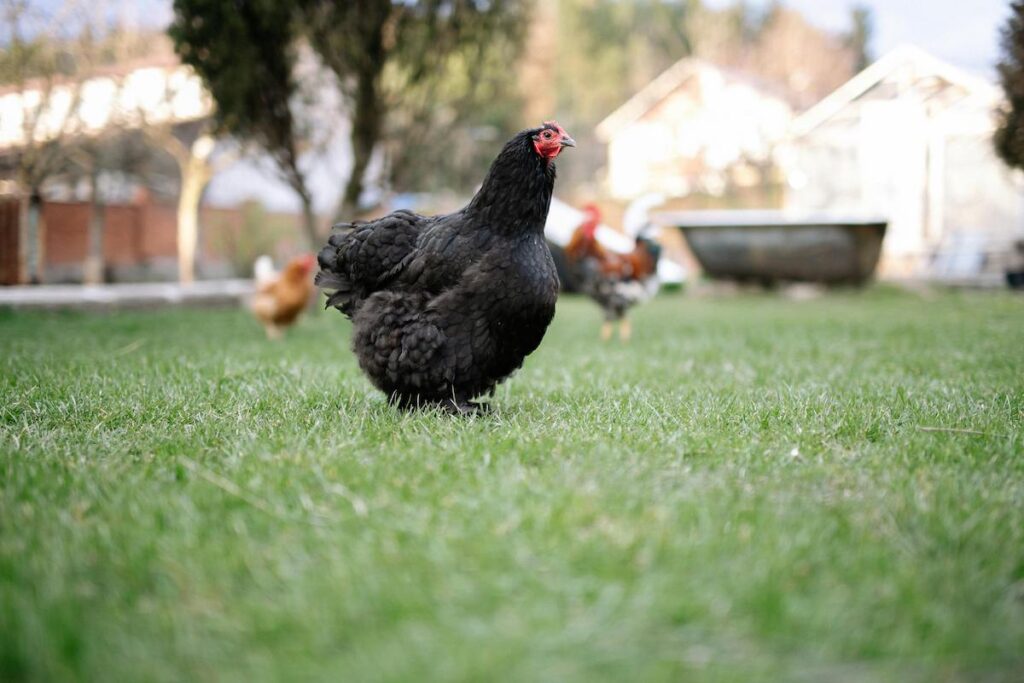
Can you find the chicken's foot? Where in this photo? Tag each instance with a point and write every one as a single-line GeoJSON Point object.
{"type": "Point", "coordinates": [464, 408]}
{"type": "Point", "coordinates": [625, 330]}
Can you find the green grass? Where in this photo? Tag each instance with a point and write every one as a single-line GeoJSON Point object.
{"type": "Point", "coordinates": [749, 491]}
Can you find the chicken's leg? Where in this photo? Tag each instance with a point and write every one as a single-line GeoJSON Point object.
{"type": "Point", "coordinates": [606, 330]}
{"type": "Point", "coordinates": [625, 330]}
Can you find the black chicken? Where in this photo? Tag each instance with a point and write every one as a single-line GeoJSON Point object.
{"type": "Point", "coordinates": [446, 307]}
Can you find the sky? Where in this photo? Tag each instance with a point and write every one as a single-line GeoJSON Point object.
{"type": "Point", "coordinates": [962, 32]}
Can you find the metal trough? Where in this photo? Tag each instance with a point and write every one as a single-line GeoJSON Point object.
{"type": "Point", "coordinates": [774, 246]}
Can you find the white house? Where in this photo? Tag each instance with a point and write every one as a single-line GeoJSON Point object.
{"type": "Point", "coordinates": [695, 128]}
{"type": "Point", "coordinates": [909, 138]}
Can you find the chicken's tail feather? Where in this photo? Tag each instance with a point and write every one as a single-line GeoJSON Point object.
{"type": "Point", "coordinates": [263, 270]}
{"type": "Point", "coordinates": [341, 292]}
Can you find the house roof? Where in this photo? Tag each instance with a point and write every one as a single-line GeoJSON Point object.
{"type": "Point", "coordinates": [648, 96]}
{"type": "Point", "coordinates": [878, 72]}
{"type": "Point", "coordinates": [665, 84]}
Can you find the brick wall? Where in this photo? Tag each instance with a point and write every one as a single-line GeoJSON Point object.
{"type": "Point", "coordinates": [9, 240]}
{"type": "Point", "coordinates": [140, 241]}
{"type": "Point", "coordinates": [132, 233]}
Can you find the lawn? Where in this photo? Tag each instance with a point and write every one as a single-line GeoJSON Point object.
{"type": "Point", "coordinates": [754, 489]}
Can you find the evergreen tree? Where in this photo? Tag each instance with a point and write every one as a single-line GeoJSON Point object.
{"type": "Point", "coordinates": [244, 53]}
{"type": "Point", "coordinates": [1009, 137]}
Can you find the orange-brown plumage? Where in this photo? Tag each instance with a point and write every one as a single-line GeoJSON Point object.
{"type": "Point", "coordinates": [640, 263]}
{"type": "Point", "coordinates": [615, 281]}
{"type": "Point", "coordinates": [584, 244]}
{"type": "Point", "coordinates": [281, 298]}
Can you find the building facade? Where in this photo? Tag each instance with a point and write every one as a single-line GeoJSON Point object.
{"type": "Point", "coordinates": [697, 128]}
{"type": "Point", "coordinates": [909, 139]}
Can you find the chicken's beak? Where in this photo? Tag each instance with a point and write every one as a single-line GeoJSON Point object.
{"type": "Point", "coordinates": [567, 141]}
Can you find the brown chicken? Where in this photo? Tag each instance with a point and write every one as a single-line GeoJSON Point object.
{"type": "Point", "coordinates": [617, 282]}
{"type": "Point", "coordinates": [281, 297]}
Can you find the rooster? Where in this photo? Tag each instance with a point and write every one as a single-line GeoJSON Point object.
{"type": "Point", "coordinates": [281, 297]}
{"type": "Point", "coordinates": [445, 307]}
{"type": "Point", "coordinates": [617, 282]}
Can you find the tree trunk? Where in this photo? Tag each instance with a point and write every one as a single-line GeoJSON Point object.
{"type": "Point", "coordinates": [309, 225]}
{"type": "Point", "coordinates": [37, 237]}
{"type": "Point", "coordinates": [30, 236]}
{"type": "Point", "coordinates": [24, 275]}
{"type": "Point", "coordinates": [309, 220]}
{"type": "Point", "coordinates": [93, 272]}
{"type": "Point", "coordinates": [188, 222]}
{"type": "Point", "coordinates": [195, 174]}
{"type": "Point", "coordinates": [367, 122]}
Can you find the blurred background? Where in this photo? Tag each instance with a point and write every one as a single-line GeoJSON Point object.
{"type": "Point", "coordinates": [152, 140]}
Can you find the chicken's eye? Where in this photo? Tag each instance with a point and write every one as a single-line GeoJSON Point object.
{"type": "Point", "coordinates": [547, 135]}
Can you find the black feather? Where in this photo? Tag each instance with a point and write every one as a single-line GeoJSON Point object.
{"type": "Point", "coordinates": [446, 307]}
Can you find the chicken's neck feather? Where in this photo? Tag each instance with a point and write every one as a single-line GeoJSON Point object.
{"type": "Point", "coordinates": [516, 194]}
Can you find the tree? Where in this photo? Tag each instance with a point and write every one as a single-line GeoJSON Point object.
{"type": "Point", "coordinates": [859, 37]}
{"type": "Point", "coordinates": [115, 149]}
{"type": "Point", "coordinates": [50, 59]}
{"type": "Point", "coordinates": [792, 52]}
{"type": "Point", "coordinates": [192, 148]}
{"type": "Point", "coordinates": [90, 158]}
{"type": "Point", "coordinates": [444, 130]}
{"type": "Point", "coordinates": [32, 63]}
{"type": "Point", "coordinates": [1009, 136]}
{"type": "Point", "coordinates": [608, 51]}
{"type": "Point", "coordinates": [393, 60]}
{"type": "Point", "coordinates": [245, 53]}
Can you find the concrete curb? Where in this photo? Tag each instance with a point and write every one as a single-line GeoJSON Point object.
{"type": "Point", "coordinates": [128, 295]}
